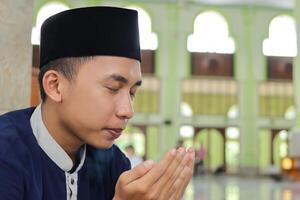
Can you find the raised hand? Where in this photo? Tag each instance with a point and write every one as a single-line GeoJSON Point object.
{"type": "Point", "coordinates": [163, 181]}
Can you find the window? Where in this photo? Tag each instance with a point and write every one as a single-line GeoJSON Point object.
{"type": "Point", "coordinates": [210, 34]}
{"type": "Point", "coordinates": [46, 11]}
{"type": "Point", "coordinates": [148, 39]}
{"type": "Point", "coordinates": [282, 40]}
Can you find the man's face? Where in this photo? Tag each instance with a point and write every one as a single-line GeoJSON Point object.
{"type": "Point", "coordinates": [96, 107]}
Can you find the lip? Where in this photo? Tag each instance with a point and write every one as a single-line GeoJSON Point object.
{"type": "Point", "coordinates": [115, 132]}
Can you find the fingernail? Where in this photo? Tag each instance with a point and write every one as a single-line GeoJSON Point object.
{"type": "Point", "coordinates": [148, 164]}
{"type": "Point", "coordinates": [181, 151]}
{"type": "Point", "coordinates": [173, 152]}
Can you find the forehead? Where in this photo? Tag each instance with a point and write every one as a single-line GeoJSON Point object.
{"type": "Point", "coordinates": [104, 66]}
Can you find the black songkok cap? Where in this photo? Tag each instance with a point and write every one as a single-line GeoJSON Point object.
{"type": "Point", "coordinates": [90, 31]}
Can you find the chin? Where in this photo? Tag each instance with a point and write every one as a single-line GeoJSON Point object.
{"type": "Point", "coordinates": [101, 144]}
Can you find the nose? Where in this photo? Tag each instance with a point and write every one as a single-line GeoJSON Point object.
{"type": "Point", "coordinates": [125, 108]}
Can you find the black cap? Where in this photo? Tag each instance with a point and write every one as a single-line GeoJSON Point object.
{"type": "Point", "coordinates": [90, 31]}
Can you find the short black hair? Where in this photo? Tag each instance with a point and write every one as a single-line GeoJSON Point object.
{"type": "Point", "coordinates": [66, 66]}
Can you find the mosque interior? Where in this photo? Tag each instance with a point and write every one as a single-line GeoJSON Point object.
{"type": "Point", "coordinates": [224, 75]}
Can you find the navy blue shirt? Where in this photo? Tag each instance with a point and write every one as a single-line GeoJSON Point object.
{"type": "Point", "coordinates": [27, 173]}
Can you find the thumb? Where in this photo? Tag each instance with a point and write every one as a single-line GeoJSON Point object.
{"type": "Point", "coordinates": [138, 171]}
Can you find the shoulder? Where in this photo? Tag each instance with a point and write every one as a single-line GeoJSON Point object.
{"type": "Point", "coordinates": [17, 165]}
{"type": "Point", "coordinates": [13, 128]}
{"type": "Point", "coordinates": [14, 152]}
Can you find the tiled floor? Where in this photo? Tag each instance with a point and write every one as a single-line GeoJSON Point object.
{"type": "Point", "coordinates": [236, 188]}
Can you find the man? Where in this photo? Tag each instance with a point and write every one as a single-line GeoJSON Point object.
{"type": "Point", "coordinates": [90, 72]}
{"type": "Point", "coordinates": [132, 156]}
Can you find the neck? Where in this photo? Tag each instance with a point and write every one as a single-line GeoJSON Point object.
{"type": "Point", "coordinates": [59, 131]}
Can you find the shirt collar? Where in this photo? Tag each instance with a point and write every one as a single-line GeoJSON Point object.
{"type": "Point", "coordinates": [54, 151]}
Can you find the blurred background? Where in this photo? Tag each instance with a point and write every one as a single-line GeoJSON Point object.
{"type": "Point", "coordinates": [222, 76]}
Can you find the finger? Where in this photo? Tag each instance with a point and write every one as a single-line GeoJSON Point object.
{"type": "Point", "coordinates": [181, 183]}
{"type": "Point", "coordinates": [175, 174]}
{"type": "Point", "coordinates": [137, 172]}
{"type": "Point", "coordinates": [188, 175]}
{"type": "Point", "coordinates": [171, 168]}
{"type": "Point", "coordinates": [155, 189]}
{"type": "Point", "coordinates": [191, 153]}
{"type": "Point", "coordinates": [155, 173]}
{"type": "Point", "coordinates": [190, 166]}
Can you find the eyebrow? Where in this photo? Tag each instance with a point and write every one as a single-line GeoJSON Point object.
{"type": "Point", "coordinates": [122, 79]}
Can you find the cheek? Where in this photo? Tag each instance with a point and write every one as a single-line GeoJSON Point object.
{"type": "Point", "coordinates": [94, 107]}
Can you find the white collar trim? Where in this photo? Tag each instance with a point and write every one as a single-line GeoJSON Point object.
{"type": "Point", "coordinates": [55, 152]}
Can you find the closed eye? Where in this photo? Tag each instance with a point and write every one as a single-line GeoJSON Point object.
{"type": "Point", "coordinates": [112, 89]}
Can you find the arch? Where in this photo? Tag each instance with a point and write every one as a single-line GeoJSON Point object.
{"type": "Point", "coordinates": [187, 131]}
{"type": "Point", "coordinates": [232, 133]}
{"type": "Point", "coordinates": [282, 40]}
{"type": "Point", "coordinates": [290, 113]}
{"type": "Point", "coordinates": [233, 112]}
{"type": "Point", "coordinates": [232, 148]}
{"type": "Point", "coordinates": [186, 136]}
{"type": "Point", "coordinates": [45, 11]}
{"type": "Point", "coordinates": [148, 39]}
{"type": "Point", "coordinates": [186, 109]}
{"type": "Point", "coordinates": [210, 34]}
{"type": "Point", "coordinates": [213, 141]}
{"type": "Point", "coordinates": [280, 146]}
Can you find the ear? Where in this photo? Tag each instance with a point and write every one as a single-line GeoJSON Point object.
{"type": "Point", "coordinates": [53, 83]}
